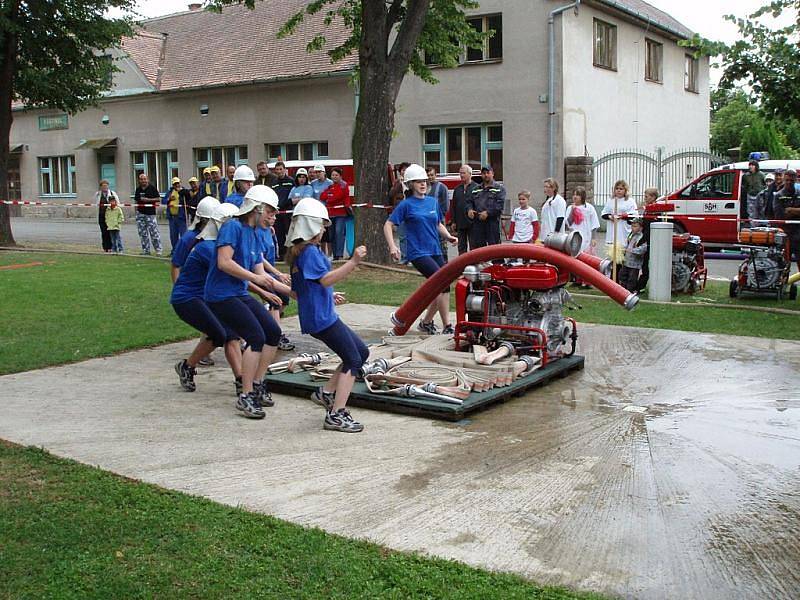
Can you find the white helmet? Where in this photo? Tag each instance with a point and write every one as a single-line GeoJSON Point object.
{"type": "Point", "coordinates": [301, 171]}
{"type": "Point", "coordinates": [311, 207]}
{"type": "Point", "coordinates": [205, 210]}
{"type": "Point", "coordinates": [243, 173]}
{"type": "Point", "coordinates": [414, 173]}
{"type": "Point", "coordinates": [222, 213]}
{"type": "Point", "coordinates": [263, 194]}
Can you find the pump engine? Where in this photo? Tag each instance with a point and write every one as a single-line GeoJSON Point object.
{"type": "Point", "coordinates": [689, 273]}
{"type": "Point", "coordinates": [766, 268]}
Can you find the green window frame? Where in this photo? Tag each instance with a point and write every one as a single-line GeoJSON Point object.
{"type": "Point", "coordinates": [447, 147]}
{"type": "Point", "coordinates": [160, 166]}
{"type": "Point", "coordinates": [58, 176]}
{"type": "Point", "coordinates": [296, 150]}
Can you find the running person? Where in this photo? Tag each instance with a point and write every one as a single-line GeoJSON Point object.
{"type": "Point", "coordinates": [424, 225]}
{"type": "Point", "coordinates": [187, 302]}
{"type": "Point", "coordinates": [312, 281]}
{"type": "Point", "coordinates": [239, 267]}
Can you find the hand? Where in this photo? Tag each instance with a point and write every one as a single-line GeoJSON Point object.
{"type": "Point", "coordinates": [284, 278]}
{"type": "Point", "coordinates": [359, 254]}
{"type": "Point", "coordinates": [272, 298]}
{"type": "Point", "coordinates": [263, 281]}
{"type": "Point", "coordinates": [594, 243]}
{"type": "Point", "coordinates": [293, 295]}
{"type": "Point", "coordinates": [483, 215]}
{"type": "Point", "coordinates": [338, 298]}
{"type": "Point", "coordinates": [471, 213]}
{"type": "Point", "coordinates": [453, 240]}
{"type": "Point", "coordinates": [394, 252]}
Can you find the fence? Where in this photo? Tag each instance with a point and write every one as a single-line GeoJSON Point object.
{"type": "Point", "coordinates": [667, 172]}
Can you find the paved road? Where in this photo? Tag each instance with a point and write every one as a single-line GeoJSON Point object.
{"type": "Point", "coordinates": [86, 232]}
{"type": "Point", "coordinates": [678, 481]}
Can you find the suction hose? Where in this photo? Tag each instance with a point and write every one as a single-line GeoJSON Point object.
{"type": "Point", "coordinates": [599, 264]}
{"type": "Point", "coordinates": [405, 316]}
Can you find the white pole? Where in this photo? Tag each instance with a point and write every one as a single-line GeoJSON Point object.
{"type": "Point", "coordinates": [659, 286]}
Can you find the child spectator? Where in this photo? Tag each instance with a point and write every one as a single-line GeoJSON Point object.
{"type": "Point", "coordinates": [635, 249]}
{"type": "Point", "coordinates": [583, 219]}
{"type": "Point", "coordinates": [617, 210]}
{"type": "Point", "coordinates": [114, 220]}
{"type": "Point", "coordinates": [650, 196]}
{"type": "Point", "coordinates": [524, 221]}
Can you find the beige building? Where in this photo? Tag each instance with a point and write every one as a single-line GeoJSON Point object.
{"type": "Point", "coordinates": [198, 88]}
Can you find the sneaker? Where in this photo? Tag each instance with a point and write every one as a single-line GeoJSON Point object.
{"type": "Point", "coordinates": [285, 344]}
{"type": "Point", "coordinates": [238, 383]}
{"type": "Point", "coordinates": [429, 328]}
{"type": "Point", "coordinates": [448, 330]}
{"type": "Point", "coordinates": [263, 394]}
{"type": "Point", "coordinates": [206, 361]}
{"type": "Point", "coordinates": [342, 421]}
{"type": "Point", "coordinates": [323, 398]}
{"type": "Point", "coordinates": [186, 375]}
{"type": "Point", "coordinates": [250, 406]}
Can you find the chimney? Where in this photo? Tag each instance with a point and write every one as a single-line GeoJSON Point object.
{"type": "Point", "coordinates": [195, 6]}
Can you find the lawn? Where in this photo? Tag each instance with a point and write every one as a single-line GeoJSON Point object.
{"type": "Point", "coordinates": [72, 531]}
{"type": "Point", "coordinates": [73, 307]}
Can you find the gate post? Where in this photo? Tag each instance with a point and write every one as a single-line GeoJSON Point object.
{"type": "Point", "coordinates": [578, 171]}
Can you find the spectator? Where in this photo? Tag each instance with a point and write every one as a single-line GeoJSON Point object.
{"type": "Point", "coordinates": [554, 209]}
{"type": "Point", "coordinates": [336, 199]}
{"type": "Point", "coordinates": [301, 189]}
{"type": "Point", "coordinates": [787, 206]}
{"type": "Point", "coordinates": [230, 179]}
{"type": "Point", "coordinates": [458, 208]}
{"type": "Point", "coordinates": [618, 210]}
{"type": "Point", "coordinates": [484, 207]}
{"type": "Point", "coordinates": [753, 182]}
{"type": "Point", "coordinates": [282, 186]}
{"type": "Point", "coordinates": [582, 218]}
{"type": "Point", "coordinates": [650, 196]}
{"type": "Point", "coordinates": [264, 177]}
{"type": "Point", "coordinates": [114, 219]}
{"type": "Point", "coordinates": [102, 198]}
{"type": "Point", "coordinates": [220, 185]}
{"type": "Point", "coordinates": [771, 209]}
{"type": "Point", "coordinates": [439, 191]}
{"type": "Point", "coordinates": [398, 192]}
{"type": "Point", "coordinates": [243, 178]}
{"type": "Point", "coordinates": [320, 180]}
{"type": "Point", "coordinates": [524, 221]}
{"type": "Point", "coordinates": [195, 195]}
{"type": "Point", "coordinates": [635, 249]}
{"type": "Point", "coordinates": [147, 198]}
{"type": "Point", "coordinates": [177, 201]}
{"type": "Point", "coordinates": [208, 187]}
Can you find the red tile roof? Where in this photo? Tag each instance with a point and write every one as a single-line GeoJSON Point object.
{"type": "Point", "coordinates": [146, 49]}
{"type": "Point", "coordinates": [238, 46]}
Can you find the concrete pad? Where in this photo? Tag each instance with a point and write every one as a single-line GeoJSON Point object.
{"type": "Point", "coordinates": [669, 467]}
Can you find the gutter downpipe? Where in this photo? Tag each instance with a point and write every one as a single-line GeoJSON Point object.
{"type": "Point", "coordinates": [551, 82]}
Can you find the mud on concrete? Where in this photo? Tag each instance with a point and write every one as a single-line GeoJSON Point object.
{"type": "Point", "coordinates": [669, 467]}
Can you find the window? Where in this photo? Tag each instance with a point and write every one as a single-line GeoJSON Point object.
{"type": "Point", "coordinates": [690, 69]}
{"type": "Point", "coordinates": [221, 156]}
{"type": "Point", "coordinates": [297, 151]}
{"type": "Point", "coordinates": [492, 46]}
{"type": "Point", "coordinates": [447, 148]}
{"type": "Point", "coordinates": [160, 166]}
{"type": "Point", "coordinates": [653, 60]}
{"type": "Point", "coordinates": [57, 176]}
{"type": "Point", "coordinates": [713, 186]}
{"type": "Point", "coordinates": [605, 45]}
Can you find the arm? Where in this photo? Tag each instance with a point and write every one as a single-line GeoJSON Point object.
{"type": "Point", "coordinates": [560, 206]}
{"type": "Point", "coordinates": [499, 203]}
{"type": "Point", "coordinates": [388, 234]}
{"type": "Point", "coordinates": [339, 273]}
{"type": "Point", "coordinates": [537, 228]}
{"type": "Point", "coordinates": [446, 234]}
{"type": "Point", "coordinates": [226, 264]}
{"type": "Point", "coordinates": [511, 230]}
{"type": "Point", "coordinates": [174, 272]}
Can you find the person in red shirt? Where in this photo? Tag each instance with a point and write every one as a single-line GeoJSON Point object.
{"type": "Point", "coordinates": [336, 199]}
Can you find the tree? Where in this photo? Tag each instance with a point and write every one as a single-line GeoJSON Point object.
{"type": "Point", "coordinates": [51, 56]}
{"type": "Point", "coordinates": [765, 60]}
{"type": "Point", "coordinates": [399, 34]}
{"type": "Point", "coordinates": [731, 114]}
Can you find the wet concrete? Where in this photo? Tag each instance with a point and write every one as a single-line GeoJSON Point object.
{"type": "Point", "coordinates": [669, 467]}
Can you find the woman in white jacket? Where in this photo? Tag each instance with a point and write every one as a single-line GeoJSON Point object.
{"type": "Point", "coordinates": [102, 198]}
{"type": "Point", "coordinates": [554, 209]}
{"type": "Point", "coordinates": [617, 211]}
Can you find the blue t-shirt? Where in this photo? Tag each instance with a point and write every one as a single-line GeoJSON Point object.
{"type": "Point", "coordinates": [183, 247]}
{"type": "Point", "coordinates": [235, 198]}
{"type": "Point", "coordinates": [421, 217]}
{"type": "Point", "coordinates": [192, 280]}
{"type": "Point", "coordinates": [266, 244]}
{"type": "Point", "coordinates": [221, 286]}
{"type": "Point", "coordinates": [302, 191]}
{"type": "Point", "coordinates": [314, 301]}
{"type": "Point", "coordinates": [320, 186]}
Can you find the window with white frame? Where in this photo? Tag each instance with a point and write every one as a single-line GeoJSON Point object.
{"type": "Point", "coordinates": [605, 45]}
{"type": "Point", "coordinates": [221, 156]}
{"type": "Point", "coordinates": [690, 71]}
{"type": "Point", "coordinates": [654, 54]}
{"type": "Point", "coordinates": [446, 148]}
{"type": "Point", "coordinates": [297, 150]}
{"type": "Point", "coordinates": [57, 176]}
{"type": "Point", "coordinates": [160, 166]}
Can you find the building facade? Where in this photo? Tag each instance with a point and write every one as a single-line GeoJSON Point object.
{"type": "Point", "coordinates": [198, 88]}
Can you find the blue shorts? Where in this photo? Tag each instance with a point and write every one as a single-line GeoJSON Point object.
{"type": "Point", "coordinates": [346, 345]}
{"type": "Point", "coordinates": [197, 314]}
{"type": "Point", "coordinates": [428, 265]}
{"type": "Point", "coordinates": [249, 319]}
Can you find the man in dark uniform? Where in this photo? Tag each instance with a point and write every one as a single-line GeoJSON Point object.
{"type": "Point", "coordinates": [282, 185]}
{"type": "Point", "coordinates": [484, 206]}
{"type": "Point", "coordinates": [458, 208]}
{"type": "Point", "coordinates": [264, 177]}
{"type": "Point", "coordinates": [787, 206]}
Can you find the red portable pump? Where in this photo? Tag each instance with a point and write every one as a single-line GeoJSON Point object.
{"type": "Point", "coordinates": [689, 271]}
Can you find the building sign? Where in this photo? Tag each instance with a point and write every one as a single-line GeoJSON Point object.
{"type": "Point", "coordinates": [52, 122]}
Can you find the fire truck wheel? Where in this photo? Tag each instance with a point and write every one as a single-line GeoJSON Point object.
{"type": "Point", "coordinates": [733, 290]}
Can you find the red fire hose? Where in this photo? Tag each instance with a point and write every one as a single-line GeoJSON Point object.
{"type": "Point", "coordinates": [405, 316]}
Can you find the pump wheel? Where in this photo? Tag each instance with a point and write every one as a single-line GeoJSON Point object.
{"type": "Point", "coordinates": [793, 292]}
{"type": "Point", "coordinates": [733, 290]}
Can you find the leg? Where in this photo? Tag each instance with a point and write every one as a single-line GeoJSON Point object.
{"type": "Point", "coordinates": [144, 236]}
{"type": "Point", "coordinates": [155, 236]}
{"type": "Point", "coordinates": [233, 354]}
{"type": "Point", "coordinates": [340, 234]}
{"type": "Point", "coordinates": [105, 237]}
{"type": "Point", "coordinates": [644, 277]}
{"type": "Point", "coordinates": [351, 349]}
{"type": "Point", "coordinates": [444, 308]}
{"type": "Point", "coordinates": [173, 232]}
{"type": "Point", "coordinates": [271, 332]}
{"type": "Point", "coordinates": [463, 241]}
{"type": "Point", "coordinates": [203, 347]}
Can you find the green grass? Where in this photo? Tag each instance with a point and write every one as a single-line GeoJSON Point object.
{"type": "Point", "coordinates": [77, 307]}
{"type": "Point", "coordinates": [71, 531]}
